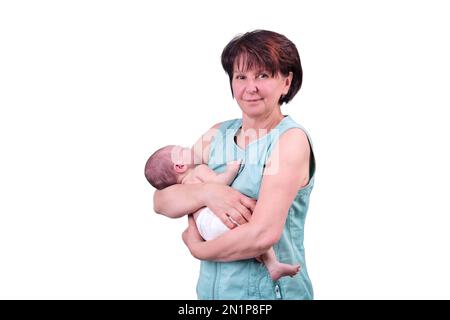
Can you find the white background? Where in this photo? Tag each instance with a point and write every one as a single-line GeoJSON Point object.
{"type": "Point", "coordinates": [89, 89]}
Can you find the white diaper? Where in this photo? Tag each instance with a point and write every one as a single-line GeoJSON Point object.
{"type": "Point", "coordinates": [209, 225]}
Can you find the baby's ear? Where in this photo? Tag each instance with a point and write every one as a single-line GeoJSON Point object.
{"type": "Point", "coordinates": [180, 168]}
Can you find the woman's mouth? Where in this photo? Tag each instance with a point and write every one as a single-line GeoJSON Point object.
{"type": "Point", "coordinates": [253, 100]}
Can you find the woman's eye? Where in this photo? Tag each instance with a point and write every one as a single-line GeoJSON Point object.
{"type": "Point", "coordinates": [240, 77]}
{"type": "Point", "coordinates": [263, 75]}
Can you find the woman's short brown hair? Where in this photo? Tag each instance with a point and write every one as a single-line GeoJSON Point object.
{"type": "Point", "coordinates": [268, 50]}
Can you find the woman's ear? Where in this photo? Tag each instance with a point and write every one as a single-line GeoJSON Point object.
{"type": "Point", "coordinates": [287, 83]}
{"type": "Point", "coordinates": [180, 168]}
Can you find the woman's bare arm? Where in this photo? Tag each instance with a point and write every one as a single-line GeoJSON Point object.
{"type": "Point", "coordinates": [178, 200]}
{"type": "Point", "coordinates": [267, 223]}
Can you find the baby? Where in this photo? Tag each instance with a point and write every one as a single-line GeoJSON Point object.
{"type": "Point", "coordinates": [173, 164]}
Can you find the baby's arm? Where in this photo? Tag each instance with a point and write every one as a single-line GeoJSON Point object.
{"type": "Point", "coordinates": [207, 175]}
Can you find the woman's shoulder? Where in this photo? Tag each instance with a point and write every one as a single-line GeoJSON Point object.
{"type": "Point", "coordinates": [289, 123]}
{"type": "Point", "coordinates": [228, 124]}
{"type": "Point", "coordinates": [291, 129]}
{"type": "Point", "coordinates": [294, 136]}
{"type": "Point", "coordinates": [222, 127]}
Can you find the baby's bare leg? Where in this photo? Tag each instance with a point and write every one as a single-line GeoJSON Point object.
{"type": "Point", "coordinates": [276, 268]}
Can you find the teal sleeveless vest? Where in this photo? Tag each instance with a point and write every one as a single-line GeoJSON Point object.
{"type": "Point", "coordinates": [249, 279]}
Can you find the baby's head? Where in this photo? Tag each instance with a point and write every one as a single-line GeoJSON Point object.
{"type": "Point", "coordinates": [168, 165]}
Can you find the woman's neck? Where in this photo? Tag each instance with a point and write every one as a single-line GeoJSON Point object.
{"type": "Point", "coordinates": [266, 122]}
{"type": "Point", "coordinates": [256, 128]}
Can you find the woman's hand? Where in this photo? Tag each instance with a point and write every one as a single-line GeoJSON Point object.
{"type": "Point", "coordinates": [229, 205]}
{"type": "Point", "coordinates": [191, 236]}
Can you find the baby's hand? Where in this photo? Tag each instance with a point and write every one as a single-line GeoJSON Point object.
{"type": "Point", "coordinates": [230, 173]}
{"type": "Point", "coordinates": [234, 166]}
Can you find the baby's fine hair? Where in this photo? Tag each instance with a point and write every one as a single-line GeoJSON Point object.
{"type": "Point", "coordinates": [159, 168]}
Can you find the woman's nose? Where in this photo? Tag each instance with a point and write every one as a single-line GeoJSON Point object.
{"type": "Point", "coordinates": [251, 88]}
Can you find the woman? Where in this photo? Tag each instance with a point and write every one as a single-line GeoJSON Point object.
{"type": "Point", "coordinates": [278, 170]}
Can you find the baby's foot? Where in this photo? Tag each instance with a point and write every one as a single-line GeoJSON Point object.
{"type": "Point", "coordinates": [282, 269]}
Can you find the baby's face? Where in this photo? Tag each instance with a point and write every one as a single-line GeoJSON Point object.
{"type": "Point", "coordinates": [182, 155]}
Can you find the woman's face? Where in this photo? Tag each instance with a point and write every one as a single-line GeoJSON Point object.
{"type": "Point", "coordinates": [257, 92]}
